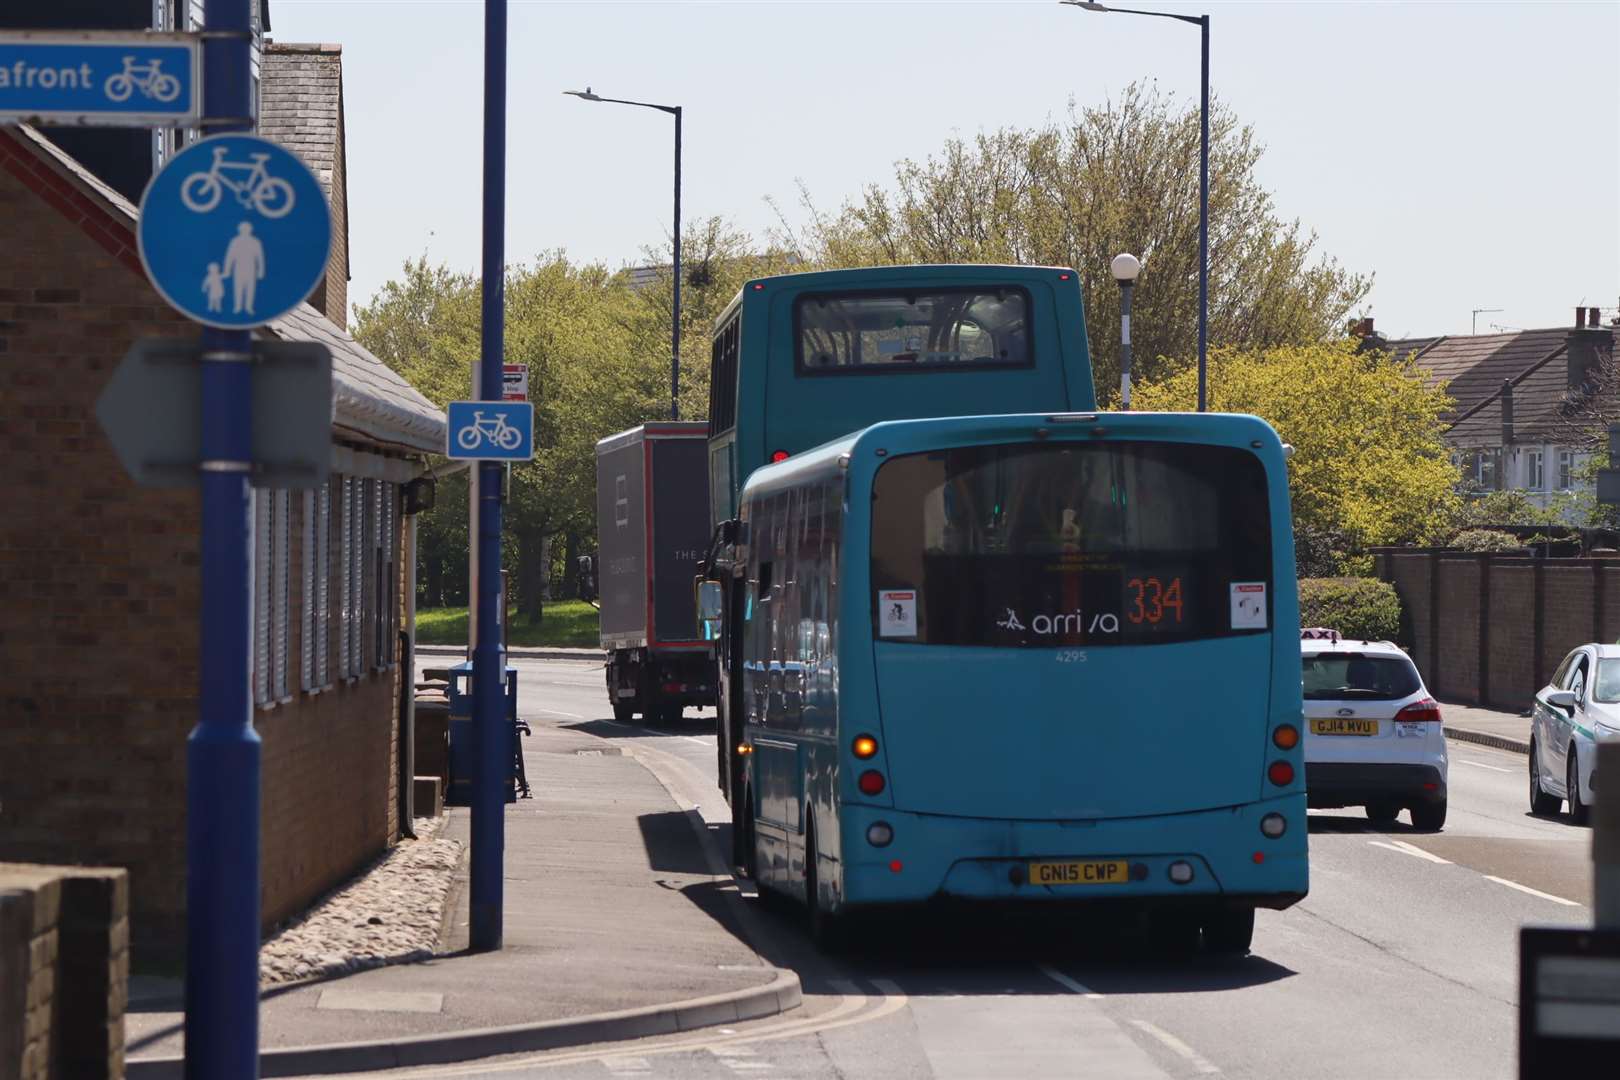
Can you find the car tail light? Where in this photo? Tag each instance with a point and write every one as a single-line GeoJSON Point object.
{"type": "Point", "coordinates": [1286, 737]}
{"type": "Point", "coordinates": [779, 455]}
{"type": "Point", "coordinates": [871, 782]}
{"type": "Point", "coordinates": [1426, 711]}
{"type": "Point", "coordinates": [1281, 773]}
{"type": "Point", "coordinates": [864, 746]}
{"type": "Point", "coordinates": [674, 688]}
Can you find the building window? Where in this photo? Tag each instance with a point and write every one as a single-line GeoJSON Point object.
{"type": "Point", "coordinates": [272, 597]}
{"type": "Point", "coordinates": [1535, 471]}
{"type": "Point", "coordinates": [345, 556]}
{"type": "Point", "coordinates": [316, 636]}
{"type": "Point", "coordinates": [1566, 470]}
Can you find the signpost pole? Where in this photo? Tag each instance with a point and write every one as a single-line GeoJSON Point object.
{"type": "Point", "coordinates": [491, 734]}
{"type": "Point", "coordinates": [222, 765]}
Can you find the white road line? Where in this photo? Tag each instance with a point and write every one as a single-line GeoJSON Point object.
{"type": "Point", "coordinates": [1072, 985]}
{"type": "Point", "coordinates": [705, 742]}
{"type": "Point", "coordinates": [630, 1066]}
{"type": "Point", "coordinates": [1532, 892]}
{"type": "Point", "coordinates": [1481, 765]}
{"type": "Point", "coordinates": [1408, 849]}
{"type": "Point", "coordinates": [1199, 1063]}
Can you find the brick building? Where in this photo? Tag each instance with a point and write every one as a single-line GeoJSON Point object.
{"type": "Point", "coordinates": [99, 583]}
{"type": "Point", "coordinates": [1528, 402]}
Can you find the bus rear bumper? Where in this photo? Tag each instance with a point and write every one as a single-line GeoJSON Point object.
{"type": "Point", "coordinates": [933, 857]}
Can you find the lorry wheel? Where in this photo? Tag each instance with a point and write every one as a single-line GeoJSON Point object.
{"type": "Point", "coordinates": [624, 711]}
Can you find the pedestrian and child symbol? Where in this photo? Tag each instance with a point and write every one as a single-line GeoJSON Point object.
{"type": "Point", "coordinates": [235, 231]}
{"type": "Point", "coordinates": [244, 265]}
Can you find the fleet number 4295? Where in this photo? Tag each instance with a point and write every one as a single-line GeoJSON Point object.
{"type": "Point", "coordinates": [1070, 656]}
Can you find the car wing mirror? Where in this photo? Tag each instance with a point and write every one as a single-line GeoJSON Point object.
{"type": "Point", "coordinates": [1564, 699]}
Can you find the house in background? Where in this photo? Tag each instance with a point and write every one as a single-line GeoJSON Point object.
{"type": "Point", "coordinates": [99, 579]}
{"type": "Point", "coordinates": [1527, 403]}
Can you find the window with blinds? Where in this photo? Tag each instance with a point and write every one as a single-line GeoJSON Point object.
{"type": "Point", "coordinates": [261, 597]}
{"type": "Point", "coordinates": [315, 629]}
{"type": "Point", "coordinates": [356, 545]}
{"type": "Point", "coordinates": [345, 548]}
{"type": "Point", "coordinates": [280, 594]}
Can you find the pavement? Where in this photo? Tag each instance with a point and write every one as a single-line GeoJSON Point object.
{"type": "Point", "coordinates": [1487, 727]}
{"type": "Point", "coordinates": [618, 924]}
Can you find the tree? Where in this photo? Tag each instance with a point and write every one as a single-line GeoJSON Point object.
{"type": "Point", "coordinates": [1369, 466]}
{"type": "Point", "coordinates": [1120, 177]}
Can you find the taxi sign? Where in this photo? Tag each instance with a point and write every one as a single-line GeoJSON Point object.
{"type": "Point", "coordinates": [1319, 633]}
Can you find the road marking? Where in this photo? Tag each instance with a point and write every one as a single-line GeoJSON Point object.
{"type": "Point", "coordinates": [629, 1066]}
{"type": "Point", "coordinates": [1073, 985]}
{"type": "Point", "coordinates": [1481, 765]}
{"type": "Point", "coordinates": [1532, 892]}
{"type": "Point", "coordinates": [1410, 849]}
{"type": "Point", "coordinates": [701, 741]}
{"type": "Point", "coordinates": [1199, 1063]}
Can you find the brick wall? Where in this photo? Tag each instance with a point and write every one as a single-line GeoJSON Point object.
{"type": "Point", "coordinates": [99, 592]}
{"type": "Point", "coordinates": [64, 937]}
{"type": "Point", "coordinates": [1536, 611]}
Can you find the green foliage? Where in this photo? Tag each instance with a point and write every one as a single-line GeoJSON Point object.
{"type": "Point", "coordinates": [1486, 540]}
{"type": "Point", "coordinates": [1511, 507]}
{"type": "Point", "coordinates": [1369, 467]}
{"type": "Point", "coordinates": [1119, 177]}
{"type": "Point", "coordinates": [567, 624]}
{"type": "Point", "coordinates": [1363, 608]}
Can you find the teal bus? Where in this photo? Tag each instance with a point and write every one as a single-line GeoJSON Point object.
{"type": "Point", "coordinates": [1046, 658]}
{"type": "Point", "coordinates": [801, 359]}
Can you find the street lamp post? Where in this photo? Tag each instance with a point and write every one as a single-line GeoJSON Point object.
{"type": "Point", "coordinates": [675, 322]}
{"type": "Point", "coordinates": [1202, 22]}
{"type": "Point", "coordinates": [1125, 267]}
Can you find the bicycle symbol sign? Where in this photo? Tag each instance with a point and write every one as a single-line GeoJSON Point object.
{"type": "Point", "coordinates": [149, 78]}
{"type": "Point", "coordinates": [235, 231]}
{"type": "Point", "coordinates": [109, 77]}
{"type": "Point", "coordinates": [491, 430]}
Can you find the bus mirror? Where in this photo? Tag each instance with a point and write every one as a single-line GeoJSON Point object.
{"type": "Point", "coordinates": [710, 604]}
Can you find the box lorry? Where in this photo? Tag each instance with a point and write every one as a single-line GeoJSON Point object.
{"type": "Point", "coordinates": [652, 524]}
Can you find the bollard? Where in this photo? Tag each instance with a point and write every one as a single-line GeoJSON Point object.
{"type": "Point", "coordinates": [1606, 838]}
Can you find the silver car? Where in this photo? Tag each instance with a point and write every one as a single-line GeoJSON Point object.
{"type": "Point", "coordinates": [1578, 709]}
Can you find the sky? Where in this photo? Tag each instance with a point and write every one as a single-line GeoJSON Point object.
{"type": "Point", "coordinates": [1465, 154]}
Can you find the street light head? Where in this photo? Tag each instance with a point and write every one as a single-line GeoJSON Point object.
{"type": "Point", "coordinates": [1125, 267]}
{"type": "Point", "coordinates": [1087, 4]}
{"type": "Point", "coordinates": [584, 94]}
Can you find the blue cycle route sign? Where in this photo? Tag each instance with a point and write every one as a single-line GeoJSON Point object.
{"type": "Point", "coordinates": [100, 77]}
{"type": "Point", "coordinates": [491, 430]}
{"type": "Point", "coordinates": [235, 231]}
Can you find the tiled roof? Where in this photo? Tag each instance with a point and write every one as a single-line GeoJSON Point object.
{"type": "Point", "coordinates": [300, 103]}
{"type": "Point", "coordinates": [1474, 367]}
{"type": "Point", "coordinates": [368, 397]}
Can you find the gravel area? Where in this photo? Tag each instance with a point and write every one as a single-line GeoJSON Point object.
{"type": "Point", "coordinates": [390, 914]}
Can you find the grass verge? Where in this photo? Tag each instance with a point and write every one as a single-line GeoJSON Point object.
{"type": "Point", "coordinates": [565, 624]}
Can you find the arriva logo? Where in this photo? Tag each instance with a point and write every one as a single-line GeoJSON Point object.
{"type": "Point", "coordinates": [1070, 623]}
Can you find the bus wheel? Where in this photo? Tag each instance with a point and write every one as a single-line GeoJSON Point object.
{"type": "Point", "coordinates": [748, 848]}
{"type": "Point", "coordinates": [826, 929]}
{"type": "Point", "coordinates": [1175, 931]}
{"type": "Point", "coordinates": [1229, 931]}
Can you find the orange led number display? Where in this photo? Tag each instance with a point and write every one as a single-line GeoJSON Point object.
{"type": "Point", "coordinates": [1153, 599]}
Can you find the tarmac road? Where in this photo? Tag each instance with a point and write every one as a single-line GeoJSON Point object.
{"type": "Point", "coordinates": [1402, 962]}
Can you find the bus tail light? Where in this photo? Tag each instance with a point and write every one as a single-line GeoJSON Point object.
{"type": "Point", "coordinates": [871, 782]}
{"type": "Point", "coordinates": [1281, 773]}
{"type": "Point", "coordinates": [864, 746]}
{"type": "Point", "coordinates": [1286, 737]}
{"type": "Point", "coordinates": [778, 455]}
{"type": "Point", "coordinates": [1426, 711]}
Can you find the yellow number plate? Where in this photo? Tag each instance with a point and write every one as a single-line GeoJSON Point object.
{"type": "Point", "coordinates": [1080, 872]}
{"type": "Point", "coordinates": [1342, 725]}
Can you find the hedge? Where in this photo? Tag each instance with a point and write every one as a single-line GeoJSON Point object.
{"type": "Point", "coordinates": [1486, 540]}
{"type": "Point", "coordinates": [1363, 608]}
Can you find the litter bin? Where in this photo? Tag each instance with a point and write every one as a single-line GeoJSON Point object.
{"type": "Point", "coordinates": [462, 758]}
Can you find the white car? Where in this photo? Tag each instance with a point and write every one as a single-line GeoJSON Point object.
{"type": "Point", "coordinates": [1577, 710]}
{"type": "Point", "coordinates": [1373, 734]}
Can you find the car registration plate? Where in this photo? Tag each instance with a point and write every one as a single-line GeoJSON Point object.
{"type": "Point", "coordinates": [1080, 872]}
{"type": "Point", "coordinates": [1342, 725]}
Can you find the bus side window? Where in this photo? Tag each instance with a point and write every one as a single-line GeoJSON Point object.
{"type": "Point", "coordinates": [764, 582]}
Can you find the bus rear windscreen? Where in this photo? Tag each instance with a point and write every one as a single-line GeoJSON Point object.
{"type": "Point", "coordinates": [1086, 544]}
{"type": "Point", "coordinates": [894, 332]}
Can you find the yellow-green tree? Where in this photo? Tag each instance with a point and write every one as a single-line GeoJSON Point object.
{"type": "Point", "coordinates": [1369, 464]}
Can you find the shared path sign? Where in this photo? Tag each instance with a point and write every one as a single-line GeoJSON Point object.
{"type": "Point", "coordinates": [491, 430]}
{"type": "Point", "coordinates": [235, 231]}
{"type": "Point", "coordinates": [100, 77]}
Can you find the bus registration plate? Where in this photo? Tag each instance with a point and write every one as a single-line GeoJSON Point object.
{"type": "Point", "coordinates": [1340, 725]}
{"type": "Point", "coordinates": [1080, 872]}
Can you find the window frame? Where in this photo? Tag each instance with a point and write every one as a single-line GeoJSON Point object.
{"type": "Point", "coordinates": [801, 369]}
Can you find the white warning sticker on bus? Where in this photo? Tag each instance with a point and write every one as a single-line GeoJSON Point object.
{"type": "Point", "coordinates": [897, 612]}
{"type": "Point", "coordinates": [1248, 605]}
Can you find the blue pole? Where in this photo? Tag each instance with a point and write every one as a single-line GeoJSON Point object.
{"type": "Point", "coordinates": [222, 753]}
{"type": "Point", "coordinates": [492, 736]}
{"type": "Point", "coordinates": [1203, 222]}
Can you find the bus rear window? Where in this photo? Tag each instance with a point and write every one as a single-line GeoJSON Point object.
{"type": "Point", "coordinates": [1071, 544]}
{"type": "Point", "coordinates": [902, 331]}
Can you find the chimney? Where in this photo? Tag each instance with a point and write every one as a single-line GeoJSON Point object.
{"type": "Point", "coordinates": [1507, 414]}
{"type": "Point", "coordinates": [1589, 348]}
{"type": "Point", "coordinates": [1592, 316]}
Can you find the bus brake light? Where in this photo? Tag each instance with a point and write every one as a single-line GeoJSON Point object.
{"type": "Point", "coordinates": [1281, 773]}
{"type": "Point", "coordinates": [871, 782]}
{"type": "Point", "coordinates": [778, 455]}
